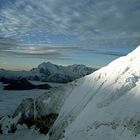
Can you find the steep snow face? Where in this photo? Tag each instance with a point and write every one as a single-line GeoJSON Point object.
{"type": "Point", "coordinates": [105, 105]}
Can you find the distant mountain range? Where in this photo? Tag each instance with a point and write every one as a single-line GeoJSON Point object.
{"type": "Point", "coordinates": [49, 72]}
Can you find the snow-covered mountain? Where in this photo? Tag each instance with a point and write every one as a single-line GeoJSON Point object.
{"type": "Point", "coordinates": [105, 105]}
{"type": "Point", "coordinates": [50, 72]}
{"type": "Point", "coordinates": [58, 73]}
{"type": "Point", "coordinates": [101, 106]}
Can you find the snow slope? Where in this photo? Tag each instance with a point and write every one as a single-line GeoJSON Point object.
{"type": "Point", "coordinates": [105, 106]}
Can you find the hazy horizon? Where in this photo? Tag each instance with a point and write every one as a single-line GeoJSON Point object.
{"type": "Point", "coordinates": [92, 33]}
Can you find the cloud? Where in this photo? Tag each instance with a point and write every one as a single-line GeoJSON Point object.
{"type": "Point", "coordinates": [44, 55]}
{"type": "Point", "coordinates": [7, 44]}
{"type": "Point", "coordinates": [104, 52]}
{"type": "Point", "coordinates": [87, 19]}
{"type": "Point", "coordinates": [9, 47]}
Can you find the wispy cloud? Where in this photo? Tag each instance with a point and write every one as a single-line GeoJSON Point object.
{"type": "Point", "coordinates": [84, 18]}
{"type": "Point", "coordinates": [7, 43]}
{"type": "Point", "coordinates": [10, 47]}
{"type": "Point", "coordinates": [107, 52]}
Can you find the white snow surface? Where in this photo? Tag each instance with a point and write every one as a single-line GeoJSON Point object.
{"type": "Point", "coordinates": [105, 106]}
{"type": "Point", "coordinates": [101, 106]}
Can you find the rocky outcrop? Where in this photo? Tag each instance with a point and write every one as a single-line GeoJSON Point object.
{"type": "Point", "coordinates": [22, 84]}
{"type": "Point", "coordinates": [8, 124]}
{"type": "Point", "coordinates": [26, 113]}
{"type": "Point", "coordinates": [44, 123]}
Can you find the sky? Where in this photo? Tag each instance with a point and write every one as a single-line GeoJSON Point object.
{"type": "Point", "coordinates": [90, 32]}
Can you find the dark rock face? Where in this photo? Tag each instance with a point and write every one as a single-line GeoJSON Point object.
{"type": "Point", "coordinates": [27, 105]}
{"type": "Point", "coordinates": [12, 129]}
{"type": "Point", "coordinates": [26, 110]}
{"type": "Point", "coordinates": [8, 124]}
{"type": "Point", "coordinates": [6, 80]}
{"type": "Point", "coordinates": [43, 86]}
{"type": "Point", "coordinates": [29, 116]}
{"type": "Point", "coordinates": [0, 129]}
{"type": "Point", "coordinates": [44, 123]}
{"type": "Point", "coordinates": [22, 84]}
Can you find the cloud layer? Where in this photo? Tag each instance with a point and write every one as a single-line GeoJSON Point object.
{"type": "Point", "coordinates": [87, 19]}
{"type": "Point", "coordinates": [10, 47]}
{"type": "Point", "coordinates": [82, 30]}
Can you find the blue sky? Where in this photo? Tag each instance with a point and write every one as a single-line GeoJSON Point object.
{"type": "Point", "coordinates": [89, 32]}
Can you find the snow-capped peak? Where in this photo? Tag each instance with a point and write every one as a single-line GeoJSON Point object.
{"type": "Point", "coordinates": [48, 66]}
{"type": "Point", "coordinates": [45, 64]}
